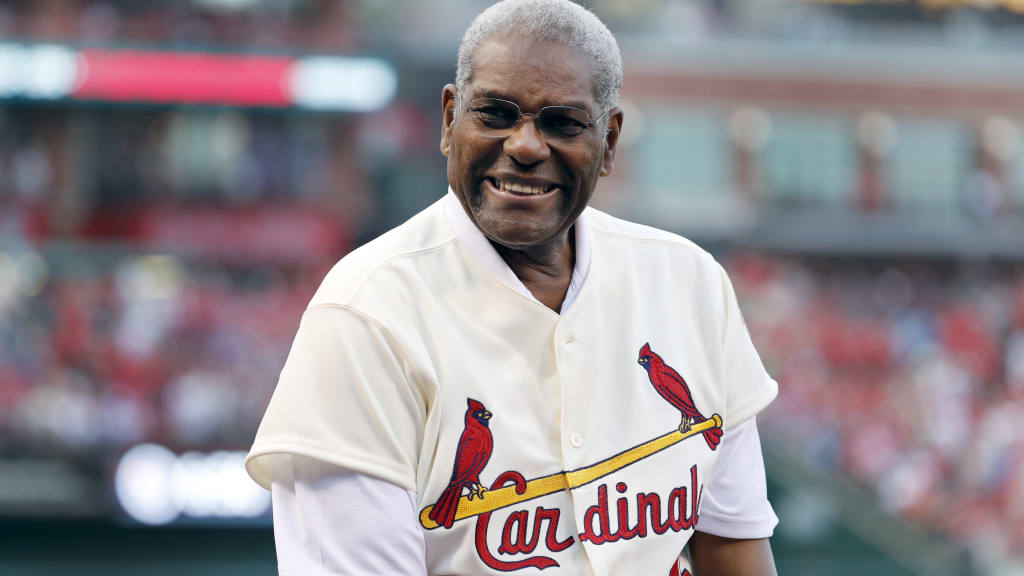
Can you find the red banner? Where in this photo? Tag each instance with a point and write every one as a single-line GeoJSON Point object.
{"type": "Point", "coordinates": [138, 76]}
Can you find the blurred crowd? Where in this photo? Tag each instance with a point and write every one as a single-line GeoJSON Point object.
{"type": "Point", "coordinates": [334, 26]}
{"type": "Point", "coordinates": [155, 349]}
{"type": "Point", "coordinates": [321, 25]}
{"type": "Point", "coordinates": [907, 376]}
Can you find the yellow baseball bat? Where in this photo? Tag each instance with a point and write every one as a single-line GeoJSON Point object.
{"type": "Point", "coordinates": [507, 496]}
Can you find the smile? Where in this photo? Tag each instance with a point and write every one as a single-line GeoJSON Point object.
{"type": "Point", "coordinates": [520, 188]}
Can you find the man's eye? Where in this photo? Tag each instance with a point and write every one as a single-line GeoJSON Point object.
{"type": "Point", "coordinates": [496, 115]}
{"type": "Point", "coordinates": [565, 125]}
{"type": "Point", "coordinates": [497, 112]}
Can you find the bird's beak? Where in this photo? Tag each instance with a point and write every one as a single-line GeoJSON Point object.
{"type": "Point", "coordinates": [487, 415]}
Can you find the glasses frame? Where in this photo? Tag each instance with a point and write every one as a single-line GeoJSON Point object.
{"type": "Point", "coordinates": [519, 119]}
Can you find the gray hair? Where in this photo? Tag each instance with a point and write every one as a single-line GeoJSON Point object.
{"type": "Point", "coordinates": [559, 21]}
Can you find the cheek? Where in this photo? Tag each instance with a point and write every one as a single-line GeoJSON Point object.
{"type": "Point", "coordinates": [459, 163]}
{"type": "Point", "coordinates": [472, 156]}
{"type": "Point", "coordinates": [588, 164]}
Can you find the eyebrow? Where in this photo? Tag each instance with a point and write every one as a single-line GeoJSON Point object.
{"type": "Point", "coordinates": [489, 93]}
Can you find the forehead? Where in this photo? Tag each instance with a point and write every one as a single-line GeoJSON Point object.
{"type": "Point", "coordinates": [533, 73]}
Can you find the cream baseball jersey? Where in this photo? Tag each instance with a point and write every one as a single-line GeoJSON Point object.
{"type": "Point", "coordinates": [576, 443]}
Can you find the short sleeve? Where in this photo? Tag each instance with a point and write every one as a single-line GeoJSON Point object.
{"type": "Point", "coordinates": [749, 388]}
{"type": "Point", "coordinates": [345, 397]}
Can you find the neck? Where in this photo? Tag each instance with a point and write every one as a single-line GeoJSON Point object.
{"type": "Point", "coordinates": [545, 270]}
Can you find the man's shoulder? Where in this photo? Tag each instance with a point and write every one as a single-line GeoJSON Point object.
{"type": "Point", "coordinates": [639, 236]}
{"type": "Point", "coordinates": [375, 263]}
{"type": "Point", "coordinates": [670, 266]}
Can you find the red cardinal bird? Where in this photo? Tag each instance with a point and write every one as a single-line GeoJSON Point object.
{"type": "Point", "coordinates": [470, 458]}
{"type": "Point", "coordinates": [673, 388]}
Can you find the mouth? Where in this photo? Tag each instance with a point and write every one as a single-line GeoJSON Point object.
{"type": "Point", "coordinates": [521, 189]}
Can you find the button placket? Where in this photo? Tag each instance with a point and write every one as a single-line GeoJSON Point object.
{"type": "Point", "coordinates": [572, 440]}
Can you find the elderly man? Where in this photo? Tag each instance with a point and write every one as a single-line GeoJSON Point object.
{"type": "Point", "coordinates": [512, 381]}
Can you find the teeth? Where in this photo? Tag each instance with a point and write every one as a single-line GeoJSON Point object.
{"type": "Point", "coordinates": [518, 188]}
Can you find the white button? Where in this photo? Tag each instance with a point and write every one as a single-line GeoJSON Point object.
{"type": "Point", "coordinates": [569, 339]}
{"type": "Point", "coordinates": [576, 439]}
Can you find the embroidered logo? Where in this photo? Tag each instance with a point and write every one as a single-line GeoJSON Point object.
{"type": "Point", "coordinates": [475, 446]}
{"type": "Point", "coordinates": [510, 488]}
{"type": "Point", "coordinates": [671, 386]}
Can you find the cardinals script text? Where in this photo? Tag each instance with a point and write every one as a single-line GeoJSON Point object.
{"type": "Point", "coordinates": [631, 516]}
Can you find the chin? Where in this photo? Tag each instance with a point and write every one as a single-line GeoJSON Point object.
{"type": "Point", "coordinates": [514, 234]}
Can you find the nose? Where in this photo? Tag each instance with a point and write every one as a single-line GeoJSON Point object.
{"type": "Point", "coordinates": [525, 144]}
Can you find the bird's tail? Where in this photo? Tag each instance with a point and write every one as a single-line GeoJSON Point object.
{"type": "Point", "coordinates": [713, 436]}
{"type": "Point", "coordinates": [444, 510]}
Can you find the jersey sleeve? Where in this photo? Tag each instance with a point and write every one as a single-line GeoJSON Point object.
{"type": "Point", "coordinates": [344, 397]}
{"type": "Point", "coordinates": [749, 388]}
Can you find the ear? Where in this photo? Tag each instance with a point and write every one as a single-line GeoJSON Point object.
{"type": "Point", "coordinates": [611, 140]}
{"type": "Point", "coordinates": [449, 99]}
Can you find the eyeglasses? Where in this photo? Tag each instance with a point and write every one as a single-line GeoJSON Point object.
{"type": "Point", "coordinates": [556, 122]}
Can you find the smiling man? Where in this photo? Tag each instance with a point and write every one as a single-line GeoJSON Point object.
{"type": "Point", "coordinates": [463, 395]}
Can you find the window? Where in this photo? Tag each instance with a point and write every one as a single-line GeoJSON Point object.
{"type": "Point", "coordinates": [929, 163]}
{"type": "Point", "coordinates": [683, 153]}
{"type": "Point", "coordinates": [810, 159]}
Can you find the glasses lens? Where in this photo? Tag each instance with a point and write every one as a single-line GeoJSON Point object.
{"type": "Point", "coordinates": [494, 113]}
{"type": "Point", "coordinates": [563, 121]}
{"type": "Point", "coordinates": [553, 121]}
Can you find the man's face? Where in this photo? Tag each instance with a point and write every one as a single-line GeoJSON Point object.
{"type": "Point", "coordinates": [481, 164]}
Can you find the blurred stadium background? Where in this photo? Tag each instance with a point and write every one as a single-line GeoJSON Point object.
{"type": "Point", "coordinates": [177, 176]}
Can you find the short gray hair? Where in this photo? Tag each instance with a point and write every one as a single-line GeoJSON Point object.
{"type": "Point", "coordinates": [560, 21]}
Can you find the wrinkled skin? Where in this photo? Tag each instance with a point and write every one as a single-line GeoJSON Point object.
{"type": "Point", "coordinates": [530, 233]}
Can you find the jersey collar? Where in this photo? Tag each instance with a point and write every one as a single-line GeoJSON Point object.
{"type": "Point", "coordinates": [474, 241]}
